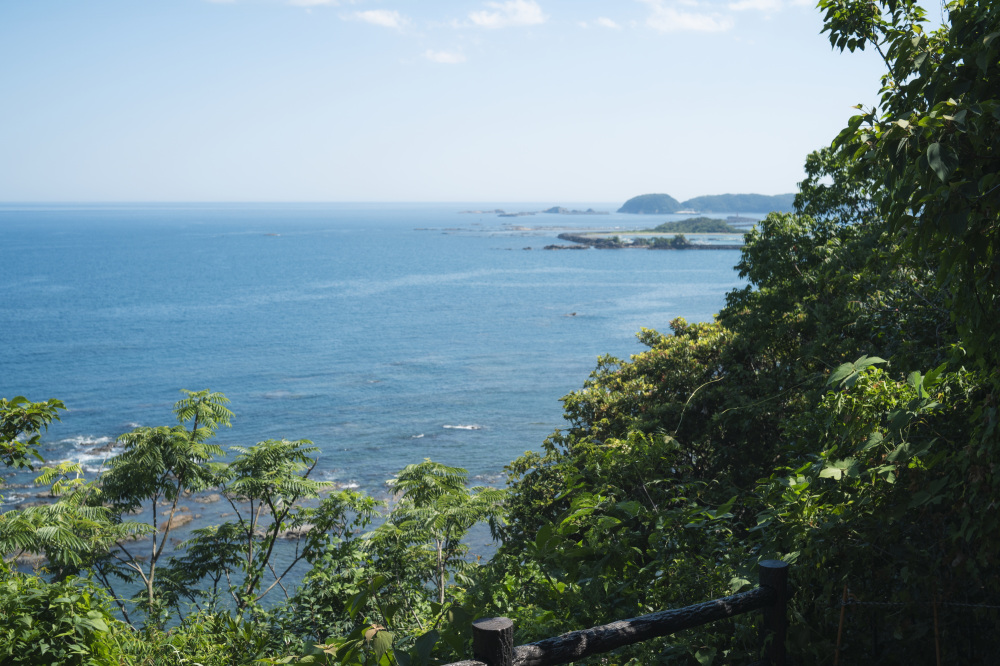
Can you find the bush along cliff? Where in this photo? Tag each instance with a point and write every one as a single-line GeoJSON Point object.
{"type": "Point", "coordinates": [840, 414]}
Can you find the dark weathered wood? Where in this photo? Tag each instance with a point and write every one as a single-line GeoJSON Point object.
{"type": "Point", "coordinates": [493, 641]}
{"type": "Point", "coordinates": [774, 576]}
{"type": "Point", "coordinates": [579, 644]}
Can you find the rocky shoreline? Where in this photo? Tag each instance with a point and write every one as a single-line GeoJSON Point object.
{"type": "Point", "coordinates": [603, 243]}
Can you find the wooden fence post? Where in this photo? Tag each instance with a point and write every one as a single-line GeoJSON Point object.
{"type": "Point", "coordinates": [774, 575]}
{"type": "Point", "coordinates": [493, 641]}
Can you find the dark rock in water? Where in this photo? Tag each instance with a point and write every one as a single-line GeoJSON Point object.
{"type": "Point", "coordinates": [296, 532]}
{"type": "Point", "coordinates": [179, 520]}
{"type": "Point", "coordinates": [207, 499]}
{"type": "Point", "coordinates": [565, 247]}
{"type": "Point", "coordinates": [103, 449]}
{"type": "Point", "coordinates": [28, 505]}
{"type": "Point", "coordinates": [31, 559]}
{"type": "Point", "coordinates": [559, 210]}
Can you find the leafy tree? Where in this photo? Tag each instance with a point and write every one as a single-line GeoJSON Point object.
{"type": "Point", "coordinates": [70, 533]}
{"type": "Point", "coordinates": [870, 504]}
{"type": "Point", "coordinates": [160, 464]}
{"type": "Point", "coordinates": [54, 624]}
{"type": "Point", "coordinates": [434, 512]}
{"type": "Point", "coordinates": [932, 144]}
{"type": "Point", "coordinates": [341, 568]}
{"type": "Point", "coordinates": [265, 485]}
{"type": "Point", "coordinates": [705, 225]}
{"type": "Point", "coordinates": [20, 418]}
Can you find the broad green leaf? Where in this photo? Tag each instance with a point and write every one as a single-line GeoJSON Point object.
{"type": "Point", "coordinates": [382, 643]}
{"type": "Point", "coordinates": [874, 440]}
{"type": "Point", "coordinates": [842, 372]}
{"type": "Point", "coordinates": [866, 361]}
{"type": "Point", "coordinates": [424, 645]}
{"type": "Point", "coordinates": [941, 161]}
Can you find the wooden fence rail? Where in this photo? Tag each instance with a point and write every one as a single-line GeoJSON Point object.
{"type": "Point", "coordinates": [493, 638]}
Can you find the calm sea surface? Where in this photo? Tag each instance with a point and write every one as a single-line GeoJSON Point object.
{"type": "Point", "coordinates": [383, 333]}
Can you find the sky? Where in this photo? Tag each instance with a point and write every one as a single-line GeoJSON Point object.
{"type": "Point", "coordinates": [553, 101]}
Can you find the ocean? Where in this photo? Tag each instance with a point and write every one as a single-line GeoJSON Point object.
{"type": "Point", "coordinates": [383, 333]}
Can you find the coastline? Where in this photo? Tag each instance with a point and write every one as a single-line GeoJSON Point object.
{"type": "Point", "coordinates": [606, 240]}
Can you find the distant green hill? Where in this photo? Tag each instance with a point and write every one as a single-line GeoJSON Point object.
{"type": "Point", "coordinates": [741, 203]}
{"type": "Point", "coordinates": [651, 204]}
{"type": "Point", "coordinates": [660, 204]}
{"type": "Point", "coordinates": [697, 225]}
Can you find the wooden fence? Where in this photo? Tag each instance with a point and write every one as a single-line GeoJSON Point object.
{"type": "Point", "coordinates": [493, 638]}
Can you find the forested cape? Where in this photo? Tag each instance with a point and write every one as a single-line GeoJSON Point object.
{"type": "Point", "coordinates": [839, 414]}
{"type": "Point", "coordinates": [659, 204]}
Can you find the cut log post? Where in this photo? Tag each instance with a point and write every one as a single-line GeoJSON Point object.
{"type": "Point", "coordinates": [774, 575]}
{"type": "Point", "coordinates": [493, 641]}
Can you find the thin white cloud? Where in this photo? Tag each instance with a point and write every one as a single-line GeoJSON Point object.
{"type": "Point", "coordinates": [509, 14]}
{"type": "Point", "coordinates": [445, 57]}
{"type": "Point", "coordinates": [381, 17]}
{"type": "Point", "coordinates": [666, 17]}
{"type": "Point", "coordinates": [756, 5]}
{"type": "Point", "coordinates": [607, 23]}
{"type": "Point", "coordinates": [309, 3]}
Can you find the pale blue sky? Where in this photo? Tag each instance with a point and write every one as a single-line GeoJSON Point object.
{"type": "Point", "coordinates": [407, 100]}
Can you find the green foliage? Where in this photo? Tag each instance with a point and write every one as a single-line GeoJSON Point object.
{"type": "Point", "coordinates": [839, 414]}
{"type": "Point", "coordinates": [265, 486]}
{"type": "Point", "coordinates": [677, 242]}
{"type": "Point", "coordinates": [20, 419]}
{"type": "Point", "coordinates": [651, 204]}
{"type": "Point", "coordinates": [423, 532]}
{"type": "Point", "coordinates": [932, 144]}
{"type": "Point", "coordinates": [876, 503]}
{"type": "Point", "coordinates": [634, 508]}
{"type": "Point", "coordinates": [159, 464]}
{"type": "Point", "coordinates": [697, 225]}
{"type": "Point", "coordinates": [741, 203]}
{"type": "Point", "coordinates": [70, 534]}
{"type": "Point", "coordinates": [832, 193]}
{"type": "Point", "coordinates": [659, 204]}
{"type": "Point", "coordinates": [53, 624]}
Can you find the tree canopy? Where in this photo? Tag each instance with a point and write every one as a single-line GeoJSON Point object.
{"type": "Point", "coordinates": [840, 414]}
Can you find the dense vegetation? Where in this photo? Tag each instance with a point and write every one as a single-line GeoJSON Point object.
{"type": "Point", "coordinates": [651, 204]}
{"type": "Point", "coordinates": [840, 414]}
{"type": "Point", "coordinates": [697, 225]}
{"type": "Point", "coordinates": [742, 203]}
{"type": "Point", "coordinates": [660, 204]}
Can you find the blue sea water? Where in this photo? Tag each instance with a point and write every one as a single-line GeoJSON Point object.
{"type": "Point", "coordinates": [383, 333]}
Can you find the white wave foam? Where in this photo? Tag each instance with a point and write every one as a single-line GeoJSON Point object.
{"type": "Point", "coordinates": [86, 440]}
{"type": "Point", "coordinates": [464, 427]}
{"type": "Point", "coordinates": [91, 452]}
{"type": "Point", "coordinates": [420, 436]}
{"type": "Point", "coordinates": [333, 475]}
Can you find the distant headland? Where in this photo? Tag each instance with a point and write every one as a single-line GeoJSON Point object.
{"type": "Point", "coordinates": [662, 204]}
